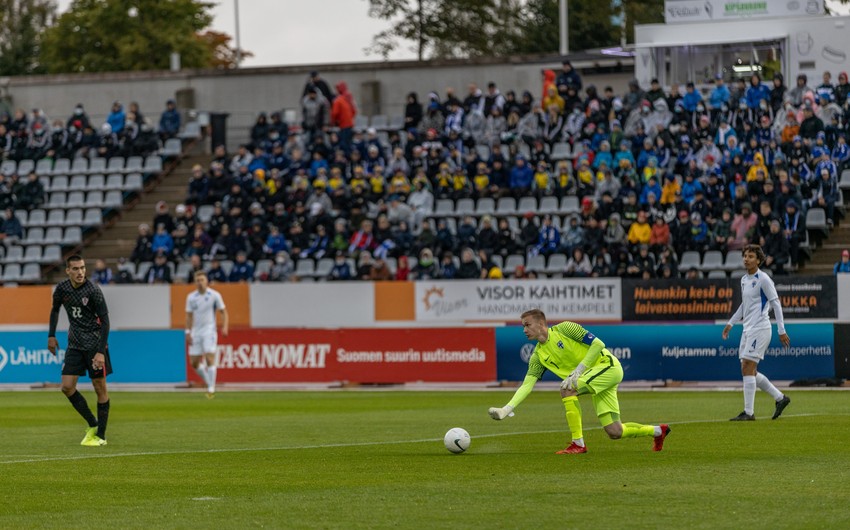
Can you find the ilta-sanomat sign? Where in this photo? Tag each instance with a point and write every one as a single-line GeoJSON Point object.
{"type": "Point", "coordinates": [707, 10]}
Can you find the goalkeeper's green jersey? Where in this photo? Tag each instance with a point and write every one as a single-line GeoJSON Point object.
{"type": "Point", "coordinates": [566, 347]}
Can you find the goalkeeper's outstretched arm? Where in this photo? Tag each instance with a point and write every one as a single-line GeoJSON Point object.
{"type": "Point", "coordinates": [535, 372]}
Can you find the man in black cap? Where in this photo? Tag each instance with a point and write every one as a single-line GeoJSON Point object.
{"type": "Point", "coordinates": [567, 78]}
{"type": "Point", "coordinates": [319, 84]}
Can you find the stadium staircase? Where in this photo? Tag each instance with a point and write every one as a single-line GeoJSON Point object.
{"type": "Point", "coordinates": [117, 237]}
{"type": "Point", "coordinates": [829, 252]}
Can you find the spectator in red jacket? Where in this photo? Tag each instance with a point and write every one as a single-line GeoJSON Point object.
{"type": "Point", "coordinates": [343, 111]}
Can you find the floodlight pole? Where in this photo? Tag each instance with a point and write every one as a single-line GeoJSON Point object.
{"type": "Point", "coordinates": [238, 39]}
{"type": "Point", "coordinates": [563, 11]}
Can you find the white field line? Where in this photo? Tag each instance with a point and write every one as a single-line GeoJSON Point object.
{"type": "Point", "coordinates": [339, 445]}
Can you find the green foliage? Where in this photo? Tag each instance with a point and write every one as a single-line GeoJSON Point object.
{"type": "Point", "coordinates": [115, 35]}
{"type": "Point", "coordinates": [360, 459]}
{"type": "Point", "coordinates": [22, 23]}
{"type": "Point", "coordinates": [444, 28]}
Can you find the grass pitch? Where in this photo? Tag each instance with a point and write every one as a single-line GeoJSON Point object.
{"type": "Point", "coordinates": [353, 459]}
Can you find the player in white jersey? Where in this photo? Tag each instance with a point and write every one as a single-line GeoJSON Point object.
{"type": "Point", "coordinates": [202, 306]}
{"type": "Point", "coordinates": [758, 296]}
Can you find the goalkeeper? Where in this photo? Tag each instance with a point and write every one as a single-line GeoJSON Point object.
{"type": "Point", "coordinates": [587, 367]}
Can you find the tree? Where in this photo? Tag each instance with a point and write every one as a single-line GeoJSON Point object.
{"type": "Point", "coordinates": [22, 23]}
{"type": "Point", "coordinates": [444, 28]}
{"type": "Point", "coordinates": [116, 35]}
{"type": "Point", "coordinates": [590, 26]}
{"type": "Point", "coordinates": [223, 55]}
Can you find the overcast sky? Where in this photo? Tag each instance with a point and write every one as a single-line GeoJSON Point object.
{"type": "Point", "coordinates": [286, 32]}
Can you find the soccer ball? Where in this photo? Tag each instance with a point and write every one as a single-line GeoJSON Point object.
{"type": "Point", "coordinates": [457, 440]}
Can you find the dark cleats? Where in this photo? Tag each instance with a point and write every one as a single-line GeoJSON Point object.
{"type": "Point", "coordinates": [780, 406]}
{"type": "Point", "coordinates": [743, 417]}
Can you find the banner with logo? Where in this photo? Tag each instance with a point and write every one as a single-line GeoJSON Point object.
{"type": "Point", "coordinates": [356, 355]}
{"type": "Point", "coordinates": [595, 299]}
{"type": "Point", "coordinates": [684, 352]}
{"type": "Point", "coordinates": [136, 356]}
{"type": "Point", "coordinates": [807, 296]}
{"type": "Point", "coordinates": [662, 300]}
{"type": "Point", "coordinates": [677, 11]}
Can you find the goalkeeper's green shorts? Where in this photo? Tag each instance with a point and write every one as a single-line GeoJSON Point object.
{"type": "Point", "coordinates": [601, 383]}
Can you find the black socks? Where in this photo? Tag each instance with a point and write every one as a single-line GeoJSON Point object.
{"type": "Point", "coordinates": [81, 406]}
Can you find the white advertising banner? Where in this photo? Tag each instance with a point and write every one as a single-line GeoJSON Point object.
{"type": "Point", "coordinates": [597, 299]}
{"type": "Point", "coordinates": [677, 11]}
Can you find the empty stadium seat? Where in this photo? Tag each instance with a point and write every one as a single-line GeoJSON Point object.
{"type": "Point", "coordinates": [142, 270]}
{"type": "Point", "coordinates": [73, 236]}
{"type": "Point", "coordinates": [134, 182]}
{"type": "Point", "coordinates": [44, 166]}
{"type": "Point", "coordinates": [734, 261]}
{"type": "Point", "coordinates": [816, 222]}
{"type": "Point", "coordinates": [557, 263]}
{"type": "Point", "coordinates": [444, 208]}
{"type": "Point", "coordinates": [191, 131]}
{"type": "Point", "coordinates": [79, 166]}
{"type": "Point", "coordinates": [506, 206]}
{"type": "Point", "coordinates": [561, 151]}
{"type": "Point", "coordinates": [134, 164]}
{"type": "Point", "coordinates": [59, 183]}
{"type": "Point", "coordinates": [114, 181]}
{"type": "Point", "coordinates": [25, 167]}
{"type": "Point", "coordinates": [527, 204]}
{"type": "Point", "coordinates": [712, 260]}
{"type": "Point", "coordinates": [324, 267]}
{"type": "Point", "coordinates": [32, 254]}
{"type": "Point", "coordinates": [61, 167]}
{"type": "Point", "coordinates": [94, 217]}
{"type": "Point", "coordinates": [513, 261]}
{"type": "Point", "coordinates": [485, 206]}
{"type": "Point", "coordinates": [56, 217]}
{"type": "Point", "coordinates": [115, 164]}
{"type": "Point", "coordinates": [8, 167]}
{"type": "Point", "coordinates": [263, 267]}
{"type": "Point", "coordinates": [36, 218]}
{"type": "Point", "coordinates": [76, 199]}
{"type": "Point", "coordinates": [549, 205]}
{"type": "Point", "coordinates": [97, 182]}
{"type": "Point", "coordinates": [14, 254]}
{"type": "Point", "coordinates": [464, 207]}
{"type": "Point", "coordinates": [94, 199]}
{"type": "Point", "coordinates": [379, 121]}
{"type": "Point", "coordinates": [97, 165]}
{"type": "Point", "coordinates": [53, 235]}
{"type": "Point", "coordinates": [34, 236]}
{"type": "Point", "coordinates": [361, 123]}
{"type": "Point", "coordinates": [396, 122]}
{"type": "Point", "coordinates": [31, 273]}
{"type": "Point", "coordinates": [78, 183]}
{"type": "Point", "coordinates": [73, 217]}
{"type": "Point", "coordinates": [172, 148]}
{"type": "Point", "coordinates": [570, 204]}
{"type": "Point", "coordinates": [153, 164]}
{"type": "Point", "coordinates": [205, 213]}
{"type": "Point", "coordinates": [12, 273]}
{"type": "Point", "coordinates": [57, 199]}
{"type": "Point", "coordinates": [52, 254]}
{"type": "Point", "coordinates": [690, 260]}
{"type": "Point", "coordinates": [305, 268]}
{"type": "Point", "coordinates": [113, 199]}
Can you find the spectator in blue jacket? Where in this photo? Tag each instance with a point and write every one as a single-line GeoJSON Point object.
{"type": "Point", "coordinates": [521, 177]}
{"type": "Point", "coordinates": [116, 118]}
{"type": "Point", "coordinates": [692, 97]}
{"type": "Point", "coordinates": [720, 94]}
{"type": "Point", "coordinates": [243, 270]}
{"type": "Point", "coordinates": [162, 240]}
{"type": "Point", "coordinates": [756, 92]}
{"type": "Point", "coordinates": [169, 121]}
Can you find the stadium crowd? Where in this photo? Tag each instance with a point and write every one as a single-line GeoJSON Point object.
{"type": "Point", "coordinates": [655, 173]}
{"type": "Point", "coordinates": [34, 137]}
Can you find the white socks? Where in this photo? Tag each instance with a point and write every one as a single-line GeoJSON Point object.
{"type": "Point", "coordinates": [212, 371]}
{"type": "Point", "coordinates": [202, 371]}
{"type": "Point", "coordinates": [579, 441]}
{"type": "Point", "coordinates": [765, 385]}
{"type": "Point", "coordinates": [656, 430]}
{"type": "Point", "coordinates": [749, 393]}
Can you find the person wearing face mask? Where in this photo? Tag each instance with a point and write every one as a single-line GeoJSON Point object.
{"type": "Point", "coordinates": [79, 119]}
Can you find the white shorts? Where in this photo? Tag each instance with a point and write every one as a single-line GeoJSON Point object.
{"type": "Point", "coordinates": [753, 344]}
{"type": "Point", "coordinates": [203, 343]}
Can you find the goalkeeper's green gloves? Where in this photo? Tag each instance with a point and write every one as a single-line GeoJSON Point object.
{"type": "Point", "coordinates": [571, 382]}
{"type": "Point", "coordinates": [500, 413]}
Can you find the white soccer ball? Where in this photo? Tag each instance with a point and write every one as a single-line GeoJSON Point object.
{"type": "Point", "coordinates": [457, 440]}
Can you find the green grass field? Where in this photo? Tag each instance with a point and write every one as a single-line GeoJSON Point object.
{"type": "Point", "coordinates": [354, 459]}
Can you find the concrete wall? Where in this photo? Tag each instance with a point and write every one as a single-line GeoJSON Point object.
{"type": "Point", "coordinates": [244, 93]}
